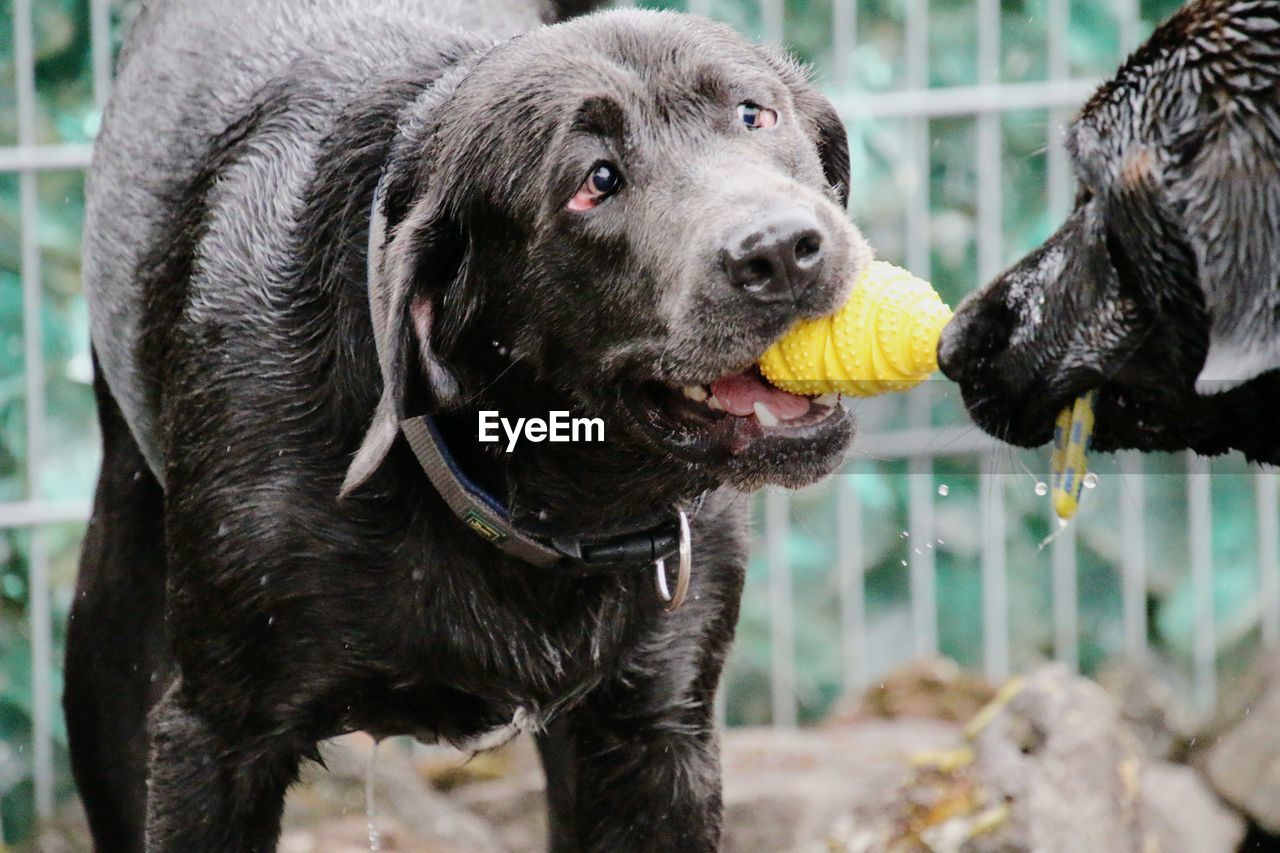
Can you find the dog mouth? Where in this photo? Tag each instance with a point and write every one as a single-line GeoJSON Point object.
{"type": "Point", "coordinates": [734, 414]}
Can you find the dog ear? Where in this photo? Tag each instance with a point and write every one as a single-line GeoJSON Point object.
{"type": "Point", "coordinates": [823, 122]}
{"type": "Point", "coordinates": [410, 271]}
{"type": "Point", "coordinates": [833, 142]}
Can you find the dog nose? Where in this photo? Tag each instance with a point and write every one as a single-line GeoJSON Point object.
{"type": "Point", "coordinates": [778, 258]}
{"type": "Point", "coordinates": [979, 330]}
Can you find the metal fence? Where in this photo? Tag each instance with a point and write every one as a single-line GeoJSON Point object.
{"type": "Point", "coordinates": [910, 436]}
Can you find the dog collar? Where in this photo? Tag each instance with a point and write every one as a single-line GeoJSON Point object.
{"type": "Point", "coordinates": [489, 519]}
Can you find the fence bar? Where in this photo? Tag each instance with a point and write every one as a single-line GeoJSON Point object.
{"type": "Point", "coordinates": [32, 158]}
{"type": "Point", "coordinates": [850, 560]}
{"type": "Point", "coordinates": [1129, 24]}
{"type": "Point", "coordinates": [964, 100]}
{"type": "Point", "coordinates": [33, 513]}
{"type": "Point", "coordinates": [38, 615]}
{"type": "Point", "coordinates": [1133, 555]}
{"type": "Point", "coordinates": [844, 39]}
{"type": "Point", "coordinates": [989, 200]}
{"type": "Point", "coordinates": [777, 524]}
{"type": "Point", "coordinates": [917, 208]}
{"type": "Point", "coordinates": [1200, 541]}
{"type": "Point", "coordinates": [1066, 618]}
{"type": "Point", "coordinates": [100, 49]}
{"type": "Point", "coordinates": [1264, 483]}
{"type": "Point", "coordinates": [771, 15]}
{"type": "Point", "coordinates": [1058, 21]}
{"type": "Point", "coordinates": [995, 580]}
{"type": "Point", "coordinates": [924, 594]}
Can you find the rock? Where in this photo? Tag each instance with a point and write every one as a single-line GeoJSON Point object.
{"type": "Point", "coordinates": [1049, 767]}
{"type": "Point", "coordinates": [1243, 763]}
{"type": "Point", "coordinates": [351, 835]}
{"type": "Point", "coordinates": [1154, 710]}
{"type": "Point", "coordinates": [1183, 813]}
{"type": "Point", "coordinates": [933, 687]}
{"type": "Point", "coordinates": [784, 788]}
{"type": "Point", "coordinates": [1053, 749]}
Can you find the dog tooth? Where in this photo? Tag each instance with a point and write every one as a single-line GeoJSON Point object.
{"type": "Point", "coordinates": [829, 399]}
{"type": "Point", "coordinates": [696, 393]}
{"type": "Point", "coordinates": [765, 415]}
{"type": "Point", "coordinates": [713, 403]}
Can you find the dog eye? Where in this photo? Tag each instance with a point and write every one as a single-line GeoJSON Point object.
{"type": "Point", "coordinates": [756, 117]}
{"type": "Point", "coordinates": [603, 181]}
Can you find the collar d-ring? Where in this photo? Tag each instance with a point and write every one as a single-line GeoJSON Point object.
{"type": "Point", "coordinates": [673, 600]}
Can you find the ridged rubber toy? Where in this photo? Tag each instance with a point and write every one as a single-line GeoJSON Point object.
{"type": "Point", "coordinates": [884, 338]}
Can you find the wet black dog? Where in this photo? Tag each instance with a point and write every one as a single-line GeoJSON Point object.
{"type": "Point", "coordinates": [612, 216]}
{"type": "Point", "coordinates": [1162, 289]}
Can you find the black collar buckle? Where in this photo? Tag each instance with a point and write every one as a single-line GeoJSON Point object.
{"type": "Point", "coordinates": [640, 548]}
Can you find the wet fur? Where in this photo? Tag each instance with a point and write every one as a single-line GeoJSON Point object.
{"type": "Point", "coordinates": [237, 379]}
{"type": "Point", "coordinates": [1162, 287]}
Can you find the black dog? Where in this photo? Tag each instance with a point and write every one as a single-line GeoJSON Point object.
{"type": "Point", "coordinates": [313, 224]}
{"type": "Point", "coordinates": [1162, 289]}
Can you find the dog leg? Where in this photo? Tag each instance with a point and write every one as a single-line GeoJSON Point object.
{"type": "Point", "coordinates": [638, 782]}
{"type": "Point", "coordinates": [636, 765]}
{"type": "Point", "coordinates": [116, 656]}
{"type": "Point", "coordinates": [207, 792]}
{"type": "Point", "coordinates": [559, 764]}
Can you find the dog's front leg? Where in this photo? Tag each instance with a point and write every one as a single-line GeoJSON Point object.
{"type": "Point", "coordinates": [636, 765]}
{"type": "Point", "coordinates": [622, 780]}
{"type": "Point", "coordinates": [204, 794]}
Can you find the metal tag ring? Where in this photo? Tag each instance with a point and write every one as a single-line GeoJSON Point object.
{"type": "Point", "coordinates": [672, 601]}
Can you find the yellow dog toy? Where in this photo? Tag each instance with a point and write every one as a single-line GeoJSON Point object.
{"type": "Point", "coordinates": [884, 338]}
{"type": "Point", "coordinates": [1072, 436]}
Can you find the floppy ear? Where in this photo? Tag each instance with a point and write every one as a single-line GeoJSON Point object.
{"type": "Point", "coordinates": [823, 123]}
{"type": "Point", "coordinates": [829, 135]}
{"type": "Point", "coordinates": [409, 271]}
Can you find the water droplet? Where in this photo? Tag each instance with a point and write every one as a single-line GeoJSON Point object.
{"type": "Point", "coordinates": [905, 534]}
{"type": "Point", "coordinates": [1042, 488]}
{"type": "Point", "coordinates": [944, 490]}
{"type": "Point", "coordinates": [904, 562]}
{"type": "Point", "coordinates": [1091, 480]}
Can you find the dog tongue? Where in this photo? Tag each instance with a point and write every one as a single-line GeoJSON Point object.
{"type": "Point", "coordinates": [739, 394]}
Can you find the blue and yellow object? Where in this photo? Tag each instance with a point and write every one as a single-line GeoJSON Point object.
{"type": "Point", "coordinates": [1072, 438]}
